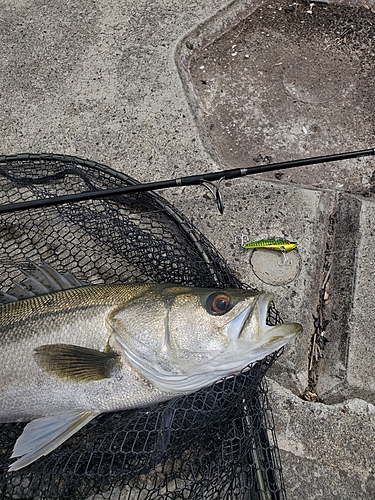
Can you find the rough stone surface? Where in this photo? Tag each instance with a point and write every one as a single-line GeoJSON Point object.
{"type": "Point", "coordinates": [322, 456]}
{"type": "Point", "coordinates": [120, 82]}
{"type": "Point", "coordinates": [97, 80]}
{"type": "Point", "coordinates": [360, 372]}
{"type": "Point", "coordinates": [292, 80]}
{"type": "Point", "coordinates": [337, 309]}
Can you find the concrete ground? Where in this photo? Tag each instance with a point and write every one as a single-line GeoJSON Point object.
{"type": "Point", "coordinates": [161, 89]}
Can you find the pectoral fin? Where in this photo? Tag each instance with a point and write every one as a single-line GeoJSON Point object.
{"type": "Point", "coordinates": [77, 364]}
{"type": "Point", "coordinates": [43, 435]}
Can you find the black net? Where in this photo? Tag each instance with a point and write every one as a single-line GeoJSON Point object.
{"type": "Point", "coordinates": [218, 443]}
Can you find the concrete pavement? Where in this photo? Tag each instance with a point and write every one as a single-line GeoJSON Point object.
{"type": "Point", "coordinates": [121, 83]}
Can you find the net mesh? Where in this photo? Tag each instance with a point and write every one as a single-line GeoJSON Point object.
{"type": "Point", "coordinates": [218, 443]}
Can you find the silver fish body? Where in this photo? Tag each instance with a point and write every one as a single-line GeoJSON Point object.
{"type": "Point", "coordinates": [81, 317]}
{"type": "Point", "coordinates": [70, 355]}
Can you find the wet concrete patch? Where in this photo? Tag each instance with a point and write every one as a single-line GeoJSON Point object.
{"type": "Point", "coordinates": [291, 81]}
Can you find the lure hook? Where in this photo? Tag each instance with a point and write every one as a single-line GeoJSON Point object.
{"type": "Point", "coordinates": [284, 261]}
{"type": "Point", "coordinates": [214, 189]}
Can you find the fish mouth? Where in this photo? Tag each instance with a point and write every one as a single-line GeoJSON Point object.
{"type": "Point", "coordinates": [278, 333]}
{"type": "Point", "coordinates": [252, 333]}
{"type": "Point", "coordinates": [253, 325]}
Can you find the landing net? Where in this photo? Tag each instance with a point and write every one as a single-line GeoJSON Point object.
{"type": "Point", "coordinates": [218, 443]}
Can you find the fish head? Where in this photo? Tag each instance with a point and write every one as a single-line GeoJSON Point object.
{"type": "Point", "coordinates": [226, 328]}
{"type": "Point", "coordinates": [204, 324]}
{"type": "Point", "coordinates": [182, 339]}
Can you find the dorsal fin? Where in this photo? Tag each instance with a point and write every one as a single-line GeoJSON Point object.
{"type": "Point", "coordinates": [40, 280]}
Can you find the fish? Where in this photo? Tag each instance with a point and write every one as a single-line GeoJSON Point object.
{"type": "Point", "coordinates": [276, 244]}
{"type": "Point", "coordinates": [80, 350]}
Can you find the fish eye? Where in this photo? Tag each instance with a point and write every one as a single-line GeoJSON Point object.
{"type": "Point", "coordinates": [218, 303]}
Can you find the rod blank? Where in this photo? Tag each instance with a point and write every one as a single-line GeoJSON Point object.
{"type": "Point", "coordinates": [182, 181]}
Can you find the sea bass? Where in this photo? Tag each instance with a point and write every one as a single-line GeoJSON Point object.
{"type": "Point", "coordinates": [70, 355]}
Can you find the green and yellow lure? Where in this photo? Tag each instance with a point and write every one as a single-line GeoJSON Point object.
{"type": "Point", "coordinates": [280, 245]}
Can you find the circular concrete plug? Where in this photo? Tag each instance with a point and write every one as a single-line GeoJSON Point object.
{"type": "Point", "coordinates": [275, 268]}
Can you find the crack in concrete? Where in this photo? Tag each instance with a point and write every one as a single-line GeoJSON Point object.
{"type": "Point", "coordinates": [319, 339]}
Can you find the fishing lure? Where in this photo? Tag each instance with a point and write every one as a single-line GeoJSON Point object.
{"type": "Point", "coordinates": [280, 245]}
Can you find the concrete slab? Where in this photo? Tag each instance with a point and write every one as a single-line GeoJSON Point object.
{"type": "Point", "coordinates": [99, 80]}
{"type": "Point", "coordinates": [321, 455]}
{"type": "Point", "coordinates": [291, 80]}
{"type": "Point", "coordinates": [360, 372]}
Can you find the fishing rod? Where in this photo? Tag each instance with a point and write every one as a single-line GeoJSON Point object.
{"type": "Point", "coordinates": [207, 180]}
